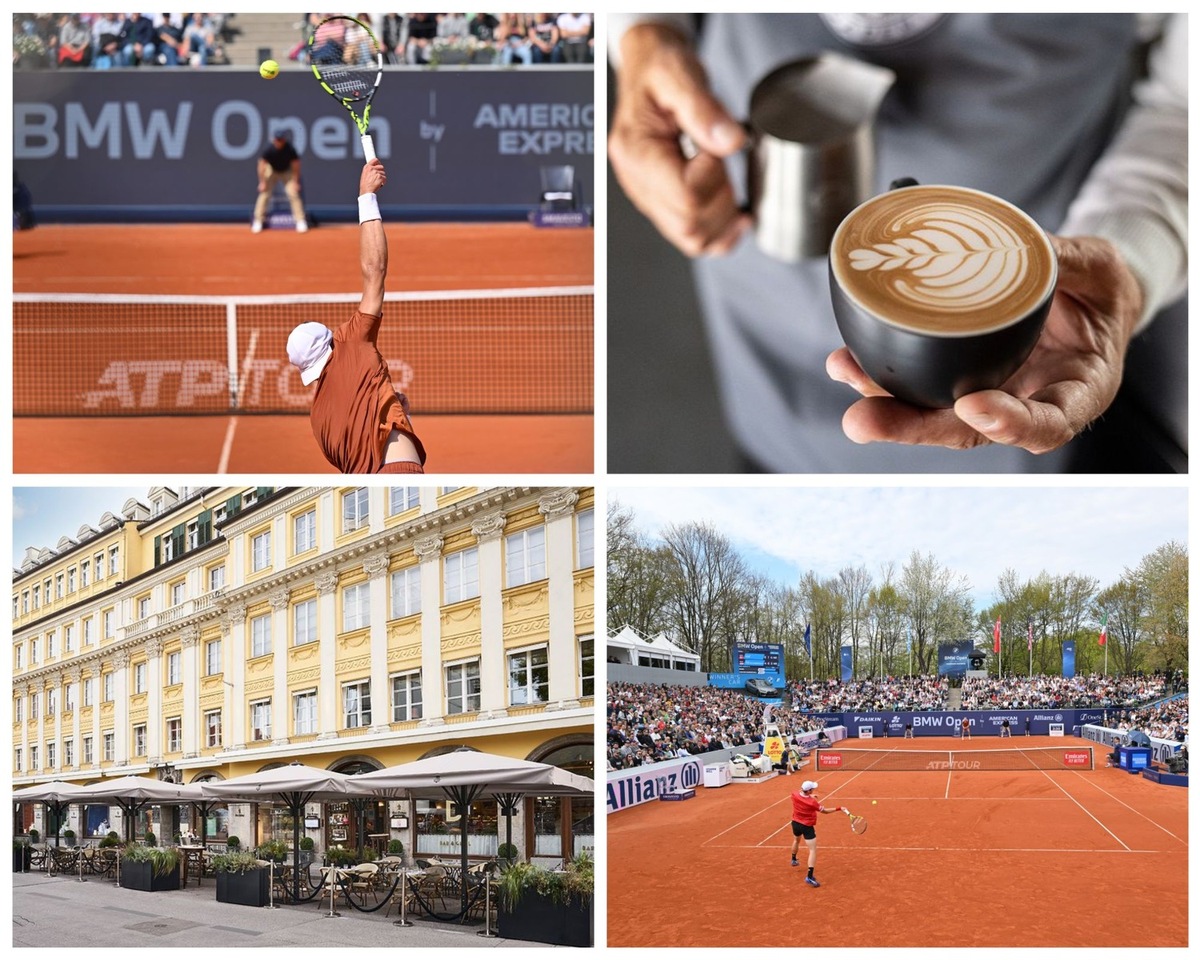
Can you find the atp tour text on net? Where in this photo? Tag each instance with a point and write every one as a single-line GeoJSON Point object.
{"type": "Point", "coordinates": [126, 130]}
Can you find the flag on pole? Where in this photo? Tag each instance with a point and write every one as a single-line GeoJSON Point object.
{"type": "Point", "coordinates": [1104, 630]}
{"type": "Point", "coordinates": [1030, 623]}
{"type": "Point", "coordinates": [808, 639]}
{"type": "Point", "coordinates": [910, 636]}
{"type": "Point", "coordinates": [996, 636]}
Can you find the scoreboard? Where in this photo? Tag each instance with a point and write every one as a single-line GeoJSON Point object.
{"type": "Point", "coordinates": [758, 659]}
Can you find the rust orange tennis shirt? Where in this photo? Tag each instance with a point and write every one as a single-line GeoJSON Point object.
{"type": "Point", "coordinates": [355, 407]}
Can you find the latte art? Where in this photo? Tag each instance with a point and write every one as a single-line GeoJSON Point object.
{"type": "Point", "coordinates": [942, 259]}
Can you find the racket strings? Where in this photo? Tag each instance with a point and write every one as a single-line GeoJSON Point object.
{"type": "Point", "coordinates": [346, 58]}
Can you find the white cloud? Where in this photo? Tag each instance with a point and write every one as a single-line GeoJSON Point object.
{"type": "Point", "coordinates": [977, 532]}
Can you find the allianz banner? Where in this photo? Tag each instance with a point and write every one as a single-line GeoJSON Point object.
{"type": "Point", "coordinates": [628, 788]}
{"type": "Point", "coordinates": [182, 144]}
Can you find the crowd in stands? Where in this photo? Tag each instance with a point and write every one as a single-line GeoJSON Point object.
{"type": "Point", "coordinates": [1032, 693]}
{"type": "Point", "coordinates": [102, 41]}
{"type": "Point", "coordinates": [889, 693]}
{"type": "Point", "coordinates": [505, 38]}
{"type": "Point", "coordinates": [649, 722]}
{"type": "Point", "coordinates": [1165, 721]}
{"type": "Point", "coordinates": [106, 40]}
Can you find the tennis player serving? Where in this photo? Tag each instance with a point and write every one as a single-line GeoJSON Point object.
{"type": "Point", "coordinates": [805, 807]}
{"type": "Point", "coordinates": [359, 420]}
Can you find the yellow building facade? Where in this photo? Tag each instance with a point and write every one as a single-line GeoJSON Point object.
{"type": "Point", "coordinates": [211, 632]}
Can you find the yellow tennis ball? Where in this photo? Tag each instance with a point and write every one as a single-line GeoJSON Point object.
{"type": "Point", "coordinates": [269, 70]}
{"type": "Point", "coordinates": [873, 802]}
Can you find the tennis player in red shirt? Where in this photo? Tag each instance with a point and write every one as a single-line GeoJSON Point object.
{"type": "Point", "coordinates": [805, 807]}
{"type": "Point", "coordinates": [358, 419]}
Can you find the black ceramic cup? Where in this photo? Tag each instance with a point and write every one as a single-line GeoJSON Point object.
{"type": "Point", "coordinates": [934, 367]}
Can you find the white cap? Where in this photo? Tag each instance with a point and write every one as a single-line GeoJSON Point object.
{"type": "Point", "coordinates": [808, 785]}
{"type": "Point", "coordinates": [309, 347]}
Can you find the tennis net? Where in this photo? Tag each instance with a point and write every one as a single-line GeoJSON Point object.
{"type": "Point", "coordinates": [460, 351]}
{"type": "Point", "coordinates": [1033, 758]}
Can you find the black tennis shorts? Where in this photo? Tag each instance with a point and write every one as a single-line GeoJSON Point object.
{"type": "Point", "coordinates": [804, 830]}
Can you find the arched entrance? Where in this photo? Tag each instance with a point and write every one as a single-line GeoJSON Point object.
{"type": "Point", "coordinates": [209, 820]}
{"type": "Point", "coordinates": [561, 828]}
{"type": "Point", "coordinates": [439, 822]}
{"type": "Point", "coordinates": [358, 822]}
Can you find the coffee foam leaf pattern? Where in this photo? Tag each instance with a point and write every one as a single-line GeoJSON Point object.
{"type": "Point", "coordinates": [948, 258]}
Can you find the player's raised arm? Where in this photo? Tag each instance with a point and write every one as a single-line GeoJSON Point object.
{"type": "Point", "coordinates": [373, 253]}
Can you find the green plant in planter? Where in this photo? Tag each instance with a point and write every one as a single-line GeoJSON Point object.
{"type": "Point", "coordinates": [233, 843]}
{"type": "Point", "coordinates": [395, 848]}
{"type": "Point", "coordinates": [306, 843]}
{"type": "Point", "coordinates": [177, 839]}
{"type": "Point", "coordinates": [507, 853]}
{"type": "Point", "coordinates": [69, 837]}
{"type": "Point", "coordinates": [341, 856]}
{"type": "Point", "coordinates": [276, 850]}
{"type": "Point", "coordinates": [162, 860]}
{"type": "Point", "coordinates": [576, 882]}
{"type": "Point", "coordinates": [111, 839]}
{"type": "Point", "coordinates": [34, 836]}
{"type": "Point", "coordinates": [241, 862]}
{"type": "Point", "coordinates": [150, 839]}
{"type": "Point", "coordinates": [367, 854]}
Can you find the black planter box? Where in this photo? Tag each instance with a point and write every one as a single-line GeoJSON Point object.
{"type": "Point", "coordinates": [21, 859]}
{"type": "Point", "coordinates": [250, 889]}
{"type": "Point", "coordinates": [538, 918]}
{"type": "Point", "coordinates": [140, 876]}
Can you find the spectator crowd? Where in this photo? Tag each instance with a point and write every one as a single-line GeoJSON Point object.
{"type": "Point", "coordinates": [1046, 692]}
{"type": "Point", "coordinates": [106, 40]}
{"type": "Point", "coordinates": [102, 41]}
{"type": "Point", "coordinates": [650, 722]}
{"type": "Point", "coordinates": [864, 696]}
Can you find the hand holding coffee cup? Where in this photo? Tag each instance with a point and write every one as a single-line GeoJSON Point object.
{"type": "Point", "coordinates": [940, 291]}
{"type": "Point", "coordinates": [1070, 377]}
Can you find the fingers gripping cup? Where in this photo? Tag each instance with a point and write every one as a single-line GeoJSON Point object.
{"type": "Point", "coordinates": [940, 291]}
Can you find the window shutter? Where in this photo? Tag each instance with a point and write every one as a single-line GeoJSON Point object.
{"type": "Point", "coordinates": [205, 527]}
{"type": "Point", "coordinates": [179, 538]}
{"type": "Point", "coordinates": [157, 549]}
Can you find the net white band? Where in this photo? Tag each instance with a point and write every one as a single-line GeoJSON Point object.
{"type": "Point", "coordinates": [368, 208]}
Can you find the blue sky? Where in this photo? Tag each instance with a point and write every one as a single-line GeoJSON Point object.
{"type": "Point", "coordinates": [43, 514]}
{"type": "Point", "coordinates": [977, 532]}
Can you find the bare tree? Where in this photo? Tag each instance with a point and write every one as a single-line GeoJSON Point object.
{"type": "Point", "coordinates": [707, 575]}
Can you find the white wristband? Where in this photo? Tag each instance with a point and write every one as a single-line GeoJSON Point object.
{"type": "Point", "coordinates": [368, 208]}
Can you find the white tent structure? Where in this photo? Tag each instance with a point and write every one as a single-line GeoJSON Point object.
{"type": "Point", "coordinates": [627, 646]}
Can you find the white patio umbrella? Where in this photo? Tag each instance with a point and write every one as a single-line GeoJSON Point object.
{"type": "Point", "coordinates": [294, 784]}
{"type": "Point", "coordinates": [55, 794]}
{"type": "Point", "coordinates": [132, 793]}
{"type": "Point", "coordinates": [464, 775]}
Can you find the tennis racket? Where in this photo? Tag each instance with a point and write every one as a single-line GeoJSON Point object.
{"type": "Point", "coordinates": [857, 824]}
{"type": "Point", "coordinates": [347, 62]}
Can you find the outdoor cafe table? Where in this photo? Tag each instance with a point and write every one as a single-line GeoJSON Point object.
{"type": "Point", "coordinates": [193, 857]}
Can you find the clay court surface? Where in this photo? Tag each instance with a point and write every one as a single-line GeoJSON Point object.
{"type": "Point", "coordinates": [228, 260]}
{"type": "Point", "coordinates": [1062, 858]}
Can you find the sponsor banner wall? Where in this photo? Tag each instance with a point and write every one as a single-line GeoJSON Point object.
{"type": "Point", "coordinates": [936, 723]}
{"type": "Point", "coordinates": [628, 788]}
{"type": "Point", "coordinates": [132, 145]}
{"type": "Point", "coordinates": [1162, 749]}
{"type": "Point", "coordinates": [847, 664]}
